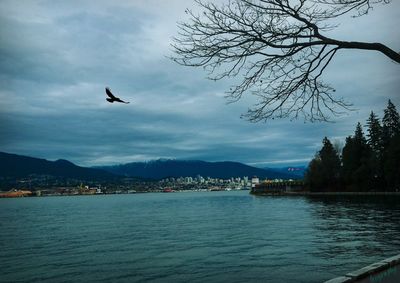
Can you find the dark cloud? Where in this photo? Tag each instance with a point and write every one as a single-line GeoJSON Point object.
{"type": "Point", "coordinates": [57, 57]}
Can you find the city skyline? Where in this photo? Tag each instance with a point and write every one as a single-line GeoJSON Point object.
{"type": "Point", "coordinates": [57, 58]}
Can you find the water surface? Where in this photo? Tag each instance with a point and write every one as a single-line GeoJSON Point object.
{"type": "Point", "coordinates": [194, 237]}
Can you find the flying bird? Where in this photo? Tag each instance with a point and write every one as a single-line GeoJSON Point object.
{"type": "Point", "coordinates": [111, 98]}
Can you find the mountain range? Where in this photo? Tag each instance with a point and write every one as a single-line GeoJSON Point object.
{"type": "Point", "coordinates": [17, 166]}
{"type": "Point", "coordinates": [158, 169]}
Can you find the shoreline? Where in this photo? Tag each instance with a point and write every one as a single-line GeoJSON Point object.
{"type": "Point", "coordinates": [325, 193]}
{"type": "Point", "coordinates": [387, 270]}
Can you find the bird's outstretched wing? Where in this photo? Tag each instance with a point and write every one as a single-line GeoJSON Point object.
{"type": "Point", "coordinates": [120, 100]}
{"type": "Point", "coordinates": [109, 93]}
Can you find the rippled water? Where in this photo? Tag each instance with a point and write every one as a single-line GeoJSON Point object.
{"type": "Point", "coordinates": [193, 237]}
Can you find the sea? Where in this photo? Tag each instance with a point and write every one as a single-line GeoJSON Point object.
{"type": "Point", "coordinates": [227, 236]}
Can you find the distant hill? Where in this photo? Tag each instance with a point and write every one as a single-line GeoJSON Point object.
{"type": "Point", "coordinates": [13, 165]}
{"type": "Point", "coordinates": [159, 169]}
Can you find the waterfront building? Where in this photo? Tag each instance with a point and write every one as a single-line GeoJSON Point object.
{"type": "Point", "coordinates": [254, 181]}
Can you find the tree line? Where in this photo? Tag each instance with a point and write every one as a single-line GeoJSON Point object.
{"type": "Point", "coordinates": [367, 162]}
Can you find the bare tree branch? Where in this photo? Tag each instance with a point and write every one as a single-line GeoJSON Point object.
{"type": "Point", "coordinates": [361, 7]}
{"type": "Point", "coordinates": [277, 47]}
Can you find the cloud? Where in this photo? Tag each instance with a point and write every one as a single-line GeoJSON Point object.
{"type": "Point", "coordinates": [57, 57]}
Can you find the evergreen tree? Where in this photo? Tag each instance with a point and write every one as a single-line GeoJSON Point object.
{"type": "Point", "coordinates": [391, 122]}
{"type": "Point", "coordinates": [391, 139]}
{"type": "Point", "coordinates": [349, 160]}
{"type": "Point", "coordinates": [323, 173]}
{"type": "Point", "coordinates": [359, 135]}
{"type": "Point", "coordinates": [375, 142]}
{"type": "Point", "coordinates": [330, 160]}
{"type": "Point", "coordinates": [356, 157]}
{"type": "Point", "coordinates": [313, 176]}
{"type": "Point", "coordinates": [374, 136]}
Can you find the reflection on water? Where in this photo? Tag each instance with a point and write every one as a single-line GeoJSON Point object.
{"type": "Point", "coordinates": [356, 227]}
{"type": "Point", "coordinates": [196, 237]}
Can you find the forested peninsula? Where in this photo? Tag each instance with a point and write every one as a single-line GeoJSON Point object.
{"type": "Point", "coordinates": [367, 162]}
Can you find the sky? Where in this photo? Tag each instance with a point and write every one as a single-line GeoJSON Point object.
{"type": "Point", "coordinates": [57, 57]}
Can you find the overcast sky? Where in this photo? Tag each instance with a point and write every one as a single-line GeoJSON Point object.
{"type": "Point", "coordinates": [57, 57]}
